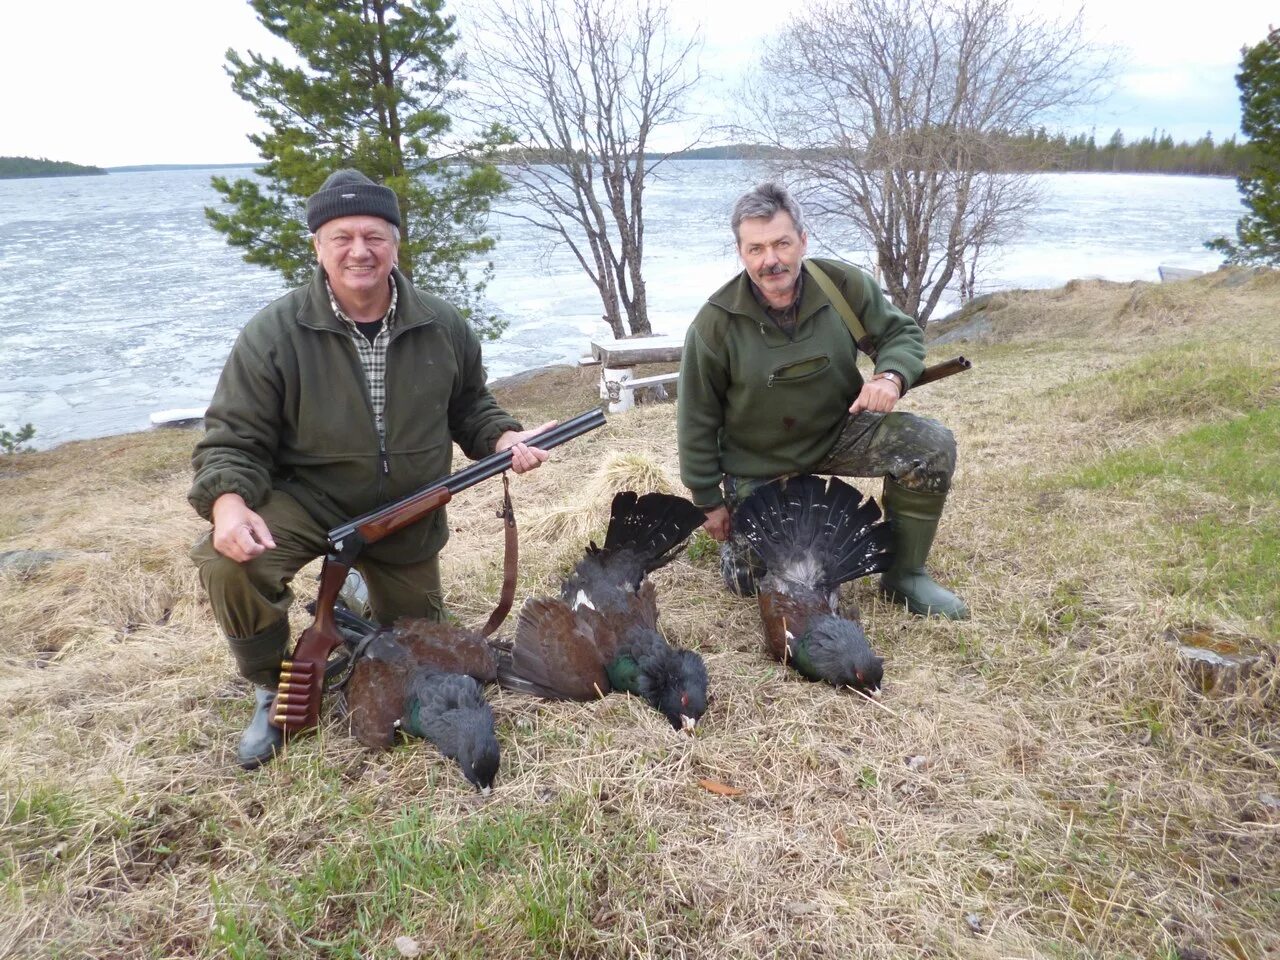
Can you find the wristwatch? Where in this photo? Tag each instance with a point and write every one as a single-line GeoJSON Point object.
{"type": "Point", "coordinates": [894, 376]}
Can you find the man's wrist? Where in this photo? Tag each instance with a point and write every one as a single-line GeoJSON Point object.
{"type": "Point", "coordinates": [894, 377]}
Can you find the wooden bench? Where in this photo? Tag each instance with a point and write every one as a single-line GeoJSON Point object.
{"type": "Point", "coordinates": [618, 360]}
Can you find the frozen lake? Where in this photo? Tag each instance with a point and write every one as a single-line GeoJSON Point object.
{"type": "Point", "coordinates": [121, 300]}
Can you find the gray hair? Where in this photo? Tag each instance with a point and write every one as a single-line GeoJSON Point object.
{"type": "Point", "coordinates": [764, 201]}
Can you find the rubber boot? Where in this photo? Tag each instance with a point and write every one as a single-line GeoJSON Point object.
{"type": "Point", "coordinates": [913, 516]}
{"type": "Point", "coordinates": [260, 741]}
{"type": "Point", "coordinates": [739, 568]}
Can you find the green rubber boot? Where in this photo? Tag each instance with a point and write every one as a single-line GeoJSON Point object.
{"type": "Point", "coordinates": [913, 516]}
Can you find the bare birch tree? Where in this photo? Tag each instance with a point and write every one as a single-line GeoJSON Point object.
{"type": "Point", "coordinates": [583, 85]}
{"type": "Point", "coordinates": [894, 116]}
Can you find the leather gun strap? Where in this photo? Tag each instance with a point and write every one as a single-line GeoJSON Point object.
{"type": "Point", "coordinates": [510, 561]}
{"type": "Point", "coordinates": [844, 308]}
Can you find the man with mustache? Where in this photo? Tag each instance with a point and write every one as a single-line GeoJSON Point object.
{"type": "Point", "coordinates": [343, 395]}
{"type": "Point", "coordinates": [769, 387]}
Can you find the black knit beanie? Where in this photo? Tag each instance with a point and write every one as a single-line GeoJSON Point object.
{"type": "Point", "coordinates": [349, 193]}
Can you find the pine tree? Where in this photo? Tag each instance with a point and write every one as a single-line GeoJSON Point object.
{"type": "Point", "coordinates": [373, 91]}
{"type": "Point", "coordinates": [1258, 231]}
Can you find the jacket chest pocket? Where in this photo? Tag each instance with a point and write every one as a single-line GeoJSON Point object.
{"type": "Point", "coordinates": [796, 371]}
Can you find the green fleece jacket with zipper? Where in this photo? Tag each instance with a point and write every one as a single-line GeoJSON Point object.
{"type": "Point", "coordinates": [292, 412]}
{"type": "Point", "coordinates": [755, 402]}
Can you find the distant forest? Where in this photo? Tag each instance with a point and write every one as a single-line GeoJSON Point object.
{"type": "Point", "coordinates": [14, 167]}
{"type": "Point", "coordinates": [1154, 154]}
{"type": "Point", "coordinates": [1040, 150]}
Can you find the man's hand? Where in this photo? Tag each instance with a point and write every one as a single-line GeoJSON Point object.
{"type": "Point", "coordinates": [717, 523]}
{"type": "Point", "coordinates": [524, 458]}
{"type": "Point", "coordinates": [879, 395]}
{"type": "Point", "coordinates": [238, 532]}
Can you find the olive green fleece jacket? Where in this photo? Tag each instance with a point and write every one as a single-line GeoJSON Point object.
{"type": "Point", "coordinates": [753, 402]}
{"type": "Point", "coordinates": [292, 412]}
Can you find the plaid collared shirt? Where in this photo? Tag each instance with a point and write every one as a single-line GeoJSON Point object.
{"type": "Point", "coordinates": [373, 356]}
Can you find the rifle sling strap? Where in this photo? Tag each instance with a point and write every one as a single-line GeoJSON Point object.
{"type": "Point", "coordinates": [510, 562]}
{"type": "Point", "coordinates": [843, 308]}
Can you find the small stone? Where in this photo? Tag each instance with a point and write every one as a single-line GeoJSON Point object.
{"type": "Point", "coordinates": [408, 947]}
{"type": "Point", "coordinates": [975, 923]}
{"type": "Point", "coordinates": [1269, 800]}
{"type": "Point", "coordinates": [26, 562]}
{"type": "Point", "coordinates": [916, 763]}
{"type": "Point", "coordinates": [798, 909]}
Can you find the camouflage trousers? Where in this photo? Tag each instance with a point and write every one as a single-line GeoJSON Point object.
{"type": "Point", "coordinates": [917, 452]}
{"type": "Point", "coordinates": [251, 600]}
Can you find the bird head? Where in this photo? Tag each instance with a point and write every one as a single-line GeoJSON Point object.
{"type": "Point", "coordinates": [478, 757]}
{"type": "Point", "coordinates": [675, 684]}
{"type": "Point", "coordinates": [840, 655]}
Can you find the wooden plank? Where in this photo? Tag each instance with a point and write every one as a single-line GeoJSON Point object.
{"type": "Point", "coordinates": [625, 353]}
{"type": "Point", "coordinates": [650, 381]}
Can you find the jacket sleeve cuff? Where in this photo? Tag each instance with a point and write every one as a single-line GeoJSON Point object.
{"type": "Point", "coordinates": [488, 438]}
{"type": "Point", "coordinates": [203, 496]}
{"type": "Point", "coordinates": [708, 498]}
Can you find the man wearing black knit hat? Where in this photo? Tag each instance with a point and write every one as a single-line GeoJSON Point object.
{"type": "Point", "coordinates": [339, 397]}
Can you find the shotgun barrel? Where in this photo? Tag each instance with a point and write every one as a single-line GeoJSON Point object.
{"type": "Point", "coordinates": [378, 523]}
{"type": "Point", "coordinates": [944, 369]}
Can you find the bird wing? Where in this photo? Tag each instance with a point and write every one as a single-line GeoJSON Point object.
{"type": "Point", "coordinates": [555, 653]}
{"type": "Point", "coordinates": [446, 648]}
{"type": "Point", "coordinates": [375, 700]}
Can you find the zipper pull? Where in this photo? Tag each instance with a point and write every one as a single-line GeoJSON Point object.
{"type": "Point", "coordinates": [386, 461]}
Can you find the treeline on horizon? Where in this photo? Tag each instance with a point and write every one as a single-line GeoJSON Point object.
{"type": "Point", "coordinates": [14, 167]}
{"type": "Point", "coordinates": [1037, 150]}
{"type": "Point", "coordinates": [1157, 153]}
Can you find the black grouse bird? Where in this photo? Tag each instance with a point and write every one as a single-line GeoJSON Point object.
{"type": "Point", "coordinates": [602, 634]}
{"type": "Point", "coordinates": [426, 680]}
{"type": "Point", "coordinates": [813, 535]}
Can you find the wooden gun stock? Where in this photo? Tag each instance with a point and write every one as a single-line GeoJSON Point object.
{"type": "Point", "coordinates": [944, 369]}
{"type": "Point", "coordinates": [297, 707]}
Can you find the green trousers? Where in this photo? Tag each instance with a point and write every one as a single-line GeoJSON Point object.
{"type": "Point", "coordinates": [251, 600]}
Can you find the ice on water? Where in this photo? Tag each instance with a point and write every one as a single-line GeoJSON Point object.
{"type": "Point", "coordinates": [120, 300]}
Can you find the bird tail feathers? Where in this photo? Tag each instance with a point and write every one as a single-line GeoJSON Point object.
{"type": "Point", "coordinates": [822, 532]}
{"type": "Point", "coordinates": [653, 527]}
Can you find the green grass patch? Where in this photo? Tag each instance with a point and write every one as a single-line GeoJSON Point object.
{"type": "Point", "coordinates": [1229, 551]}
{"type": "Point", "coordinates": [1183, 381]}
{"type": "Point", "coordinates": [516, 882]}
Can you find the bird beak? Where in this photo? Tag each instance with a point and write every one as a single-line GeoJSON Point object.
{"type": "Point", "coordinates": [485, 791]}
{"type": "Point", "coordinates": [875, 693]}
{"type": "Point", "coordinates": [687, 724]}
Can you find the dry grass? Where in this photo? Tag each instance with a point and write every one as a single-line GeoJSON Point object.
{"type": "Point", "coordinates": [1073, 796]}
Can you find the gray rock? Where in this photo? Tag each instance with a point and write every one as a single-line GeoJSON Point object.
{"type": "Point", "coordinates": [24, 563]}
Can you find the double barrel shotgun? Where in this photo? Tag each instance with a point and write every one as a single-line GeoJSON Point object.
{"type": "Point", "coordinates": [297, 708]}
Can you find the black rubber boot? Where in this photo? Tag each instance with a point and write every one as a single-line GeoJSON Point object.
{"type": "Point", "coordinates": [913, 516]}
{"type": "Point", "coordinates": [260, 741]}
{"type": "Point", "coordinates": [740, 568]}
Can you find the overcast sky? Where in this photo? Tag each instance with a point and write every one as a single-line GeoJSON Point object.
{"type": "Point", "coordinates": [142, 81]}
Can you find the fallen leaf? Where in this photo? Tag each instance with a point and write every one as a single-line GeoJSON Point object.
{"type": "Point", "coordinates": [408, 947]}
{"type": "Point", "coordinates": [723, 789]}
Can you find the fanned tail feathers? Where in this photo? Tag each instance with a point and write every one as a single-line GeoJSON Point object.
{"type": "Point", "coordinates": [655, 526]}
{"type": "Point", "coordinates": [822, 532]}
